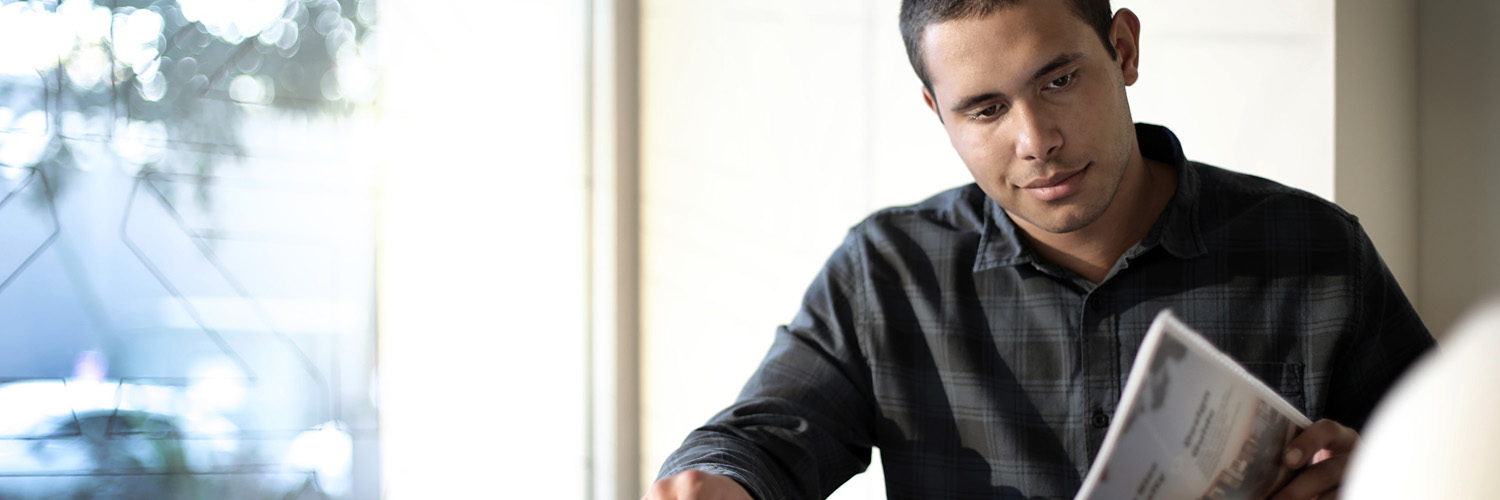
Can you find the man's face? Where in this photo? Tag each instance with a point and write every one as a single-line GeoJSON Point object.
{"type": "Point", "coordinates": [1036, 108]}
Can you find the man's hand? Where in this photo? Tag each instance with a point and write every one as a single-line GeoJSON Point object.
{"type": "Point", "coordinates": [1318, 457]}
{"type": "Point", "coordinates": [696, 485]}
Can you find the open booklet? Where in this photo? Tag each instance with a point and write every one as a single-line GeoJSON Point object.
{"type": "Point", "coordinates": [1192, 423]}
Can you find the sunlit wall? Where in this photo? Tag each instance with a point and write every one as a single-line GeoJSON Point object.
{"type": "Point", "coordinates": [482, 250]}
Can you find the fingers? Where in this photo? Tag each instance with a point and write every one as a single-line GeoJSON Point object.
{"type": "Point", "coordinates": [1321, 452]}
{"type": "Point", "coordinates": [1323, 435]}
{"type": "Point", "coordinates": [695, 484]}
{"type": "Point", "coordinates": [1320, 480]}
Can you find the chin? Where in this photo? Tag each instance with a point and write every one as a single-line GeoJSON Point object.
{"type": "Point", "coordinates": [1054, 225]}
{"type": "Point", "coordinates": [1063, 223]}
{"type": "Point", "coordinates": [1066, 227]}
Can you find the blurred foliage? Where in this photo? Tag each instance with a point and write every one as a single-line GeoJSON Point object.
{"type": "Point", "coordinates": [164, 85]}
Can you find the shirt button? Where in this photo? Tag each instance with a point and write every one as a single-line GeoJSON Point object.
{"type": "Point", "coordinates": [1099, 419]}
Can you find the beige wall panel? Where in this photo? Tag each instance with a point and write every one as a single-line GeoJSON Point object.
{"type": "Point", "coordinates": [1376, 128]}
{"type": "Point", "coordinates": [1460, 156]}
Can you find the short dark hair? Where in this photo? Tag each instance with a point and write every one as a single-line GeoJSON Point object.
{"type": "Point", "coordinates": [916, 15]}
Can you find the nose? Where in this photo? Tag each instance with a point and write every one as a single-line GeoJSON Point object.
{"type": "Point", "coordinates": [1037, 138]}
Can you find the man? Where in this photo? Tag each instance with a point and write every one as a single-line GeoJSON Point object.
{"type": "Point", "coordinates": [981, 338]}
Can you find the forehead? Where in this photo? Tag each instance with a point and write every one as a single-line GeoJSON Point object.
{"type": "Point", "coordinates": [1007, 45]}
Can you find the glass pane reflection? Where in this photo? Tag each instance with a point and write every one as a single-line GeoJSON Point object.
{"type": "Point", "coordinates": [186, 252]}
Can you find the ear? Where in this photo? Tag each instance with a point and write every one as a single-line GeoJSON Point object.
{"type": "Point", "coordinates": [931, 103]}
{"type": "Point", "coordinates": [1125, 34]}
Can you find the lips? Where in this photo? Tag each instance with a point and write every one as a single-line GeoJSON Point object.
{"type": "Point", "coordinates": [1056, 186]}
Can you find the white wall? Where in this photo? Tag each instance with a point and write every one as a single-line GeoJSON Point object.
{"type": "Point", "coordinates": [1246, 86]}
{"type": "Point", "coordinates": [482, 251]}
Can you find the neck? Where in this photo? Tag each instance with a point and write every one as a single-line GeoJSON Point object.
{"type": "Point", "coordinates": [1093, 251]}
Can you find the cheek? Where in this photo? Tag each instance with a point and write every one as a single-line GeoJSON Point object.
{"type": "Point", "coordinates": [1112, 126]}
{"type": "Point", "coordinates": [983, 155]}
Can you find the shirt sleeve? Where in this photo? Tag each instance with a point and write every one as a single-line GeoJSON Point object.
{"type": "Point", "coordinates": [1388, 338]}
{"type": "Point", "coordinates": [804, 423]}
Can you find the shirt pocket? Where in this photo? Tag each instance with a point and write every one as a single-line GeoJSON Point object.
{"type": "Point", "coordinates": [1284, 378]}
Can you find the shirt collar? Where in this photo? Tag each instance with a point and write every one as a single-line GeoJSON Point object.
{"type": "Point", "coordinates": [1176, 230]}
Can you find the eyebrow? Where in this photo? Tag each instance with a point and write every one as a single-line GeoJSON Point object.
{"type": "Point", "coordinates": [1056, 62]}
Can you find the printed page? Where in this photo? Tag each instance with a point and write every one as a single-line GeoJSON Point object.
{"type": "Point", "coordinates": [1192, 423]}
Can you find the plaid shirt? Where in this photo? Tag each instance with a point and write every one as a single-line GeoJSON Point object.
{"type": "Point", "coordinates": [982, 371]}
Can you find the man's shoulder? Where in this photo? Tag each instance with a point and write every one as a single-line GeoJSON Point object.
{"type": "Point", "coordinates": [1227, 197]}
{"type": "Point", "coordinates": [957, 210]}
{"type": "Point", "coordinates": [941, 232]}
{"type": "Point", "coordinates": [947, 227]}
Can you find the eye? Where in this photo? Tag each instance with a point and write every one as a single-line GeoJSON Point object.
{"type": "Point", "coordinates": [988, 112]}
{"type": "Point", "coordinates": [1061, 81]}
